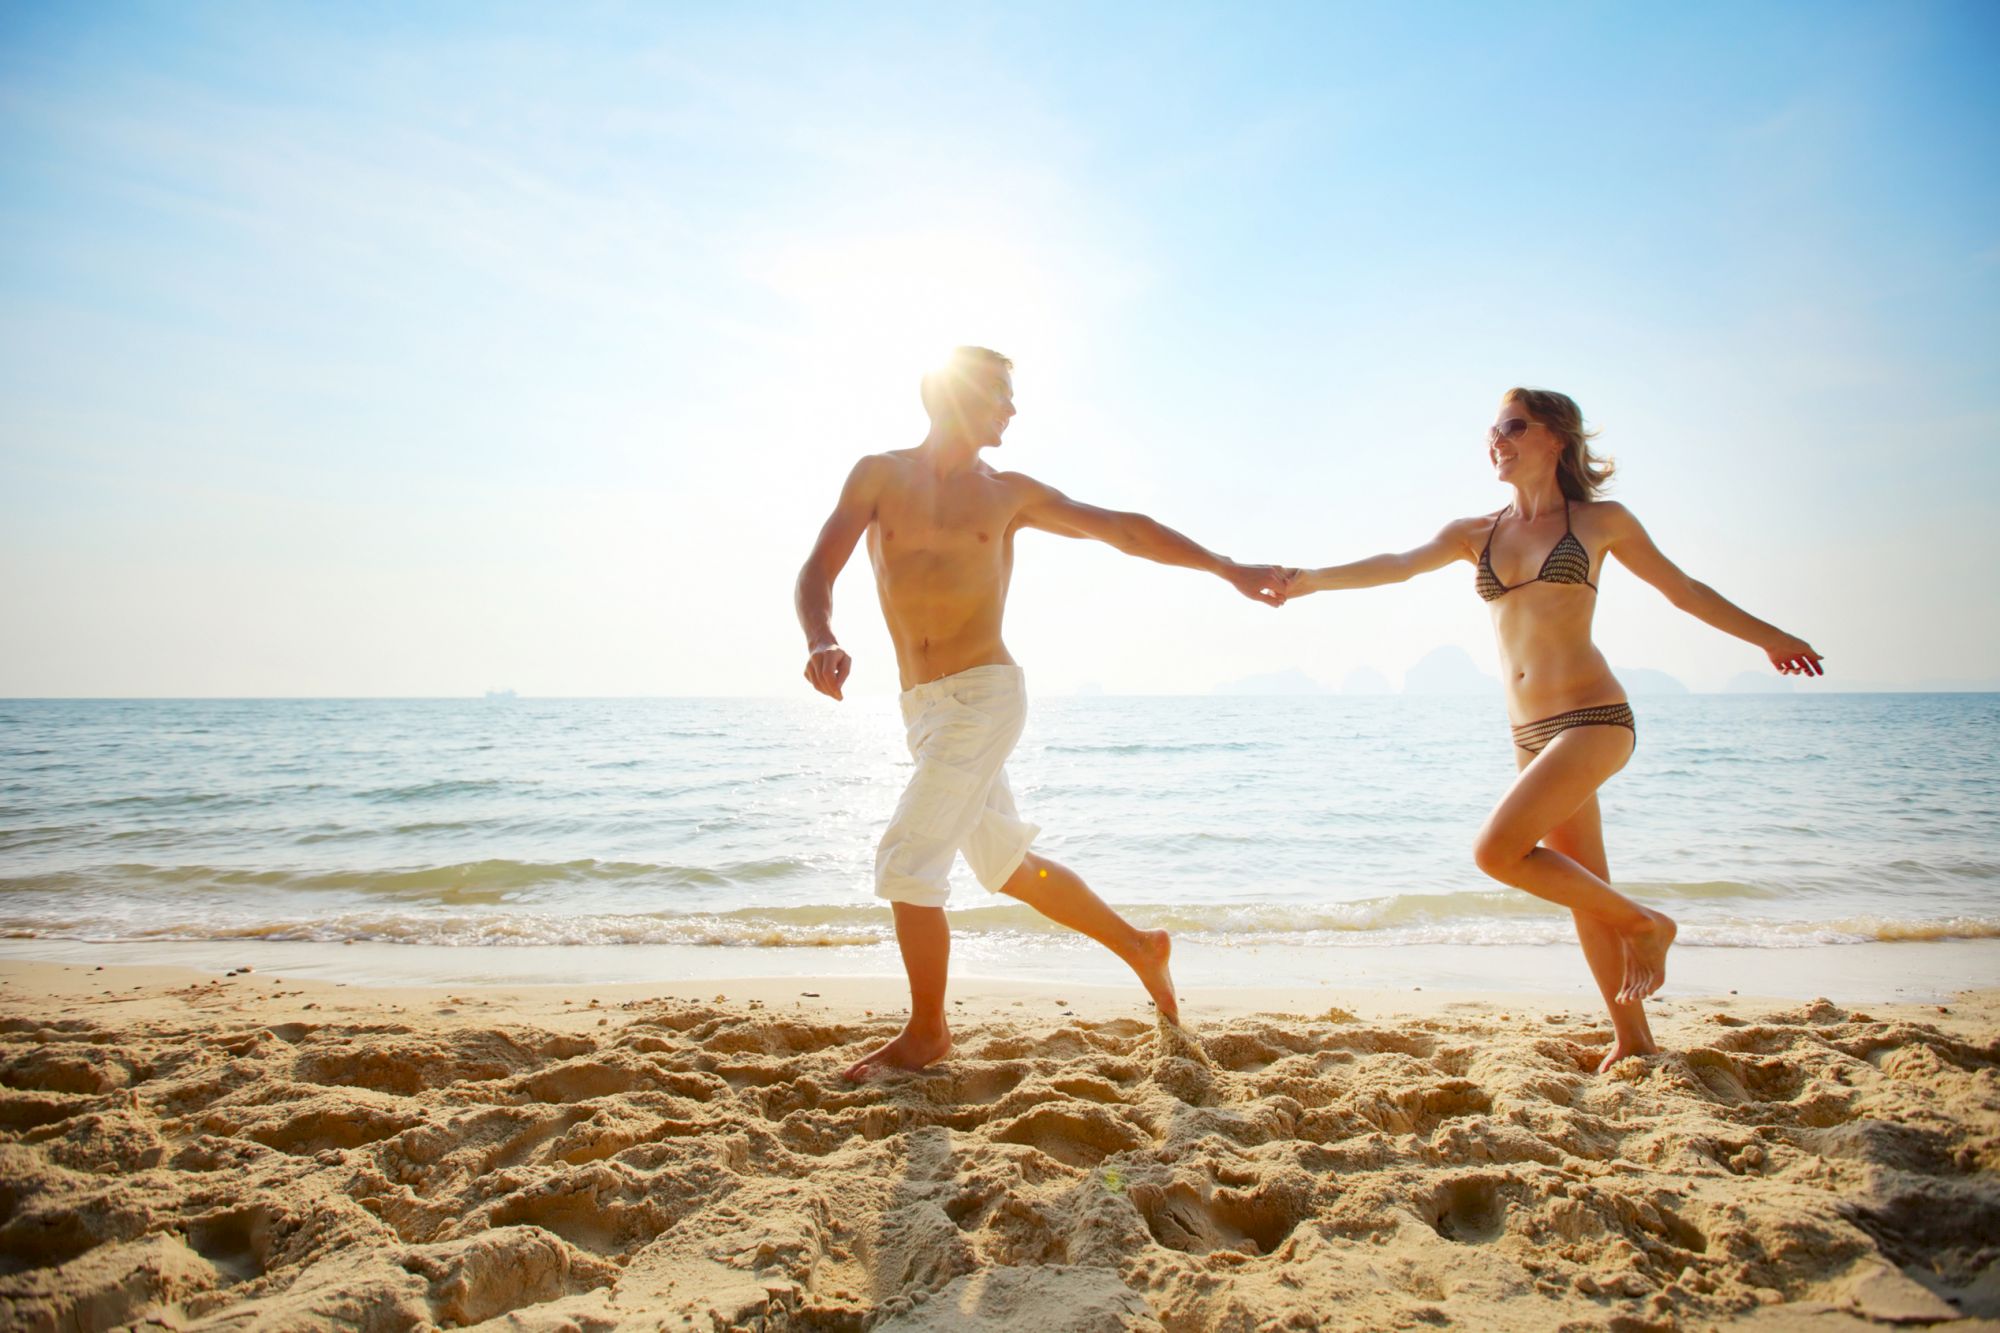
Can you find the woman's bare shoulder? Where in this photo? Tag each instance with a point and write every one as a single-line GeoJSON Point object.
{"type": "Point", "coordinates": [1606, 515]}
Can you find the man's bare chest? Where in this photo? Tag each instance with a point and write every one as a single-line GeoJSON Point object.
{"type": "Point", "coordinates": [938, 521]}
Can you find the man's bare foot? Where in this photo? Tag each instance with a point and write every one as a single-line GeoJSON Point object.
{"type": "Point", "coordinates": [1151, 965]}
{"type": "Point", "coordinates": [908, 1050]}
{"type": "Point", "coordinates": [1621, 1048]}
{"type": "Point", "coordinates": [1646, 956]}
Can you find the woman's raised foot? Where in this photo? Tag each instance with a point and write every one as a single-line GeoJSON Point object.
{"type": "Point", "coordinates": [1155, 946]}
{"type": "Point", "coordinates": [1646, 956]}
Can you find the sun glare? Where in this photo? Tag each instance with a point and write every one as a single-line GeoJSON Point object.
{"type": "Point", "coordinates": [902, 300]}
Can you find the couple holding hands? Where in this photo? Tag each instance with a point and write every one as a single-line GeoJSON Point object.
{"type": "Point", "coordinates": [940, 524]}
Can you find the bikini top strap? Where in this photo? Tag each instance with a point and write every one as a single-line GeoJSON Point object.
{"type": "Point", "coordinates": [1566, 526]}
{"type": "Point", "coordinates": [1487, 549]}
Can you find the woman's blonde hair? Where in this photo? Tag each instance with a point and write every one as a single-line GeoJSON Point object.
{"type": "Point", "coordinates": [1581, 473]}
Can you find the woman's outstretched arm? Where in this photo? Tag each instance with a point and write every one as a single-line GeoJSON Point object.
{"type": "Point", "coordinates": [1635, 550]}
{"type": "Point", "coordinates": [1451, 543]}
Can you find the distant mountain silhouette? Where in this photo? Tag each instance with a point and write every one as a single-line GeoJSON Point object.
{"type": "Point", "coordinates": [1366, 680]}
{"type": "Point", "coordinates": [1292, 681]}
{"type": "Point", "coordinates": [1645, 680]}
{"type": "Point", "coordinates": [1757, 682]}
{"type": "Point", "coordinates": [1448, 669]}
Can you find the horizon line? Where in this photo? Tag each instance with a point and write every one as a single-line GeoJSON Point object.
{"type": "Point", "coordinates": [1069, 694]}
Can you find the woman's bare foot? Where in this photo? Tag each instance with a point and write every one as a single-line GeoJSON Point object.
{"type": "Point", "coordinates": [912, 1048]}
{"type": "Point", "coordinates": [1151, 965]}
{"type": "Point", "coordinates": [1621, 1049]}
{"type": "Point", "coordinates": [1646, 956]}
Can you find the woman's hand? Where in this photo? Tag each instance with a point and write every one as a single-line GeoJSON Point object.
{"type": "Point", "coordinates": [1794, 657]}
{"type": "Point", "coordinates": [1260, 583]}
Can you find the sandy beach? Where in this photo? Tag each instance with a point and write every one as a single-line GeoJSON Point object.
{"type": "Point", "coordinates": [188, 1149]}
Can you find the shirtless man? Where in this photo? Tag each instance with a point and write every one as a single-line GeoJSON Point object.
{"type": "Point", "coordinates": [941, 524]}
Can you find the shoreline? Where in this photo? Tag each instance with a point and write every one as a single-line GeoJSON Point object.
{"type": "Point", "coordinates": [1873, 972]}
{"type": "Point", "coordinates": [149, 993]}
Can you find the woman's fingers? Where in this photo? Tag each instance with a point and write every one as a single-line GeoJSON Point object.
{"type": "Point", "coordinates": [1804, 662]}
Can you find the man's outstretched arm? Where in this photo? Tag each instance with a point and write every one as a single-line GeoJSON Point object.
{"type": "Point", "coordinates": [826, 664]}
{"type": "Point", "coordinates": [1135, 534]}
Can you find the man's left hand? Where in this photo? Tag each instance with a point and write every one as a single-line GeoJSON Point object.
{"type": "Point", "coordinates": [1264, 583]}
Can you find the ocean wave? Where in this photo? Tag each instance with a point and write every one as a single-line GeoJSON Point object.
{"type": "Point", "coordinates": [205, 800]}
{"type": "Point", "coordinates": [17, 838]}
{"type": "Point", "coordinates": [848, 926]}
{"type": "Point", "coordinates": [1169, 747]}
{"type": "Point", "coordinates": [427, 791]}
{"type": "Point", "coordinates": [1944, 869]}
{"type": "Point", "coordinates": [458, 882]}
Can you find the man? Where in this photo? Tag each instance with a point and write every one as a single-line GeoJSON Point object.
{"type": "Point", "coordinates": [940, 523]}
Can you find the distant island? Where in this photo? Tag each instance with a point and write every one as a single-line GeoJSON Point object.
{"type": "Point", "coordinates": [1293, 681]}
{"type": "Point", "coordinates": [1447, 669]}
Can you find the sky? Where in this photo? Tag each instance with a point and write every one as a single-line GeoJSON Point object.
{"type": "Point", "coordinates": [423, 350]}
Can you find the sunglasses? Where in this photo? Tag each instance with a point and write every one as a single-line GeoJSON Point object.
{"type": "Point", "coordinates": [1513, 428]}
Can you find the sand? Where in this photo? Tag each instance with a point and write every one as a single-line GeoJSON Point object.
{"type": "Point", "coordinates": [183, 1150]}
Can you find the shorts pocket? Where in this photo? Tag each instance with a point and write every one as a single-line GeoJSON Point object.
{"type": "Point", "coordinates": [940, 803]}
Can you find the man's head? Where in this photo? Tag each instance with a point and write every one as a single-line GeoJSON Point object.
{"type": "Point", "coordinates": [971, 396]}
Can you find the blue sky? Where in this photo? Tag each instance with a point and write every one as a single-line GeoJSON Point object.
{"type": "Point", "coordinates": [419, 350]}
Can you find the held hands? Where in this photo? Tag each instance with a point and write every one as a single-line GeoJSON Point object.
{"type": "Point", "coordinates": [1794, 657]}
{"type": "Point", "coordinates": [827, 669]}
{"type": "Point", "coordinates": [1269, 584]}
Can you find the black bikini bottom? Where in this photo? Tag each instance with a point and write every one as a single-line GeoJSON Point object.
{"type": "Point", "coordinates": [1533, 736]}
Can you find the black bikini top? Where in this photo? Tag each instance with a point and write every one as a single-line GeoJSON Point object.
{"type": "Point", "coordinates": [1567, 562]}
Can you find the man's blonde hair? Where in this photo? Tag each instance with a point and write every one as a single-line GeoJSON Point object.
{"type": "Point", "coordinates": [945, 387]}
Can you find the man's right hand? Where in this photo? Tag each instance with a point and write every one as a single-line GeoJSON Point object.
{"type": "Point", "coordinates": [827, 669]}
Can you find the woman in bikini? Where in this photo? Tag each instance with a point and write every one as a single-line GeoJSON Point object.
{"type": "Point", "coordinates": [1572, 726]}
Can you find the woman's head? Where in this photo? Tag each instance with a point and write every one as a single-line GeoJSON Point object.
{"type": "Point", "coordinates": [1540, 427]}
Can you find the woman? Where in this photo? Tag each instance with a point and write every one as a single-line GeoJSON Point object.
{"type": "Point", "coordinates": [1537, 563]}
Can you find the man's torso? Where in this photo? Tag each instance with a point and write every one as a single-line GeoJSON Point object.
{"type": "Point", "coordinates": [943, 551]}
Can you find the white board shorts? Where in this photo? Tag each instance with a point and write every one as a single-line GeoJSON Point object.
{"type": "Point", "coordinates": [961, 729]}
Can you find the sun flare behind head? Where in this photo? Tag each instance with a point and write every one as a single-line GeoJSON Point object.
{"type": "Point", "coordinates": [886, 307]}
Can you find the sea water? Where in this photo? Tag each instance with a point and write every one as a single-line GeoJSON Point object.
{"type": "Point", "coordinates": [1789, 821]}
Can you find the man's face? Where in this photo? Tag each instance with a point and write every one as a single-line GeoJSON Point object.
{"type": "Point", "coordinates": [998, 410]}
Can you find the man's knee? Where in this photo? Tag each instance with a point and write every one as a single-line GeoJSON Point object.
{"type": "Point", "coordinates": [1032, 870]}
{"type": "Point", "coordinates": [903, 889]}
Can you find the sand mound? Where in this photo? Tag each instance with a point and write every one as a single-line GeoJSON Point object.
{"type": "Point", "coordinates": [702, 1166]}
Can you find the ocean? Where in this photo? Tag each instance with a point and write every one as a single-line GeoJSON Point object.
{"type": "Point", "coordinates": [748, 825]}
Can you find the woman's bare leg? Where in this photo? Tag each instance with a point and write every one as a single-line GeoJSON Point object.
{"type": "Point", "coordinates": [924, 936]}
{"type": "Point", "coordinates": [1581, 839]}
{"type": "Point", "coordinates": [1548, 792]}
{"type": "Point", "coordinates": [1059, 894]}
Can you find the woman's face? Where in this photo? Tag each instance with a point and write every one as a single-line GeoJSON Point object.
{"type": "Point", "coordinates": [1517, 445]}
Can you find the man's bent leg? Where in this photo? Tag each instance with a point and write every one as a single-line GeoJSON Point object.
{"type": "Point", "coordinates": [925, 939]}
{"type": "Point", "coordinates": [1056, 891]}
{"type": "Point", "coordinates": [960, 731]}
